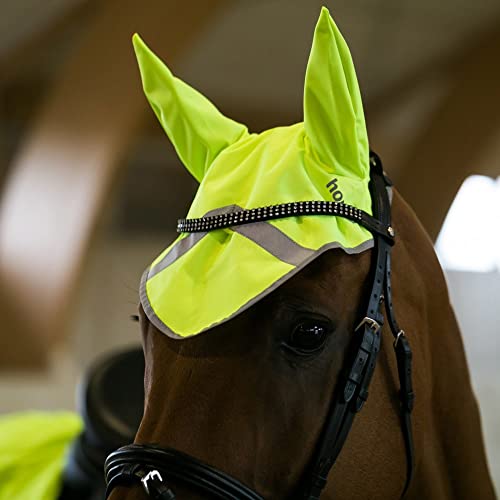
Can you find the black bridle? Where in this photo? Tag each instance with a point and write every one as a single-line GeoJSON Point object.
{"type": "Point", "coordinates": [152, 465]}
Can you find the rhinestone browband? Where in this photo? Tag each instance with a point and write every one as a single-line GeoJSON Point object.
{"type": "Point", "coordinates": [284, 210]}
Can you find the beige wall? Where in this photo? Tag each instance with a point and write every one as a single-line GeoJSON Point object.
{"type": "Point", "coordinates": [109, 297]}
{"type": "Point", "coordinates": [476, 299]}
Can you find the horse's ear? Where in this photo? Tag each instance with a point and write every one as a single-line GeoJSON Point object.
{"type": "Point", "coordinates": [197, 129]}
{"type": "Point", "coordinates": [333, 112]}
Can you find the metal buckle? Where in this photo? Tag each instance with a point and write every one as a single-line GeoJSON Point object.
{"type": "Point", "coordinates": [401, 333]}
{"type": "Point", "coordinates": [374, 325]}
{"type": "Point", "coordinates": [153, 474]}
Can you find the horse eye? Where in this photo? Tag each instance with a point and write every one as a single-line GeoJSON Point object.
{"type": "Point", "coordinates": [307, 338]}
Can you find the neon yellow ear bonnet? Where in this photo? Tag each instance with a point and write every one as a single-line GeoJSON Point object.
{"type": "Point", "coordinates": [205, 279]}
{"type": "Point", "coordinates": [33, 448]}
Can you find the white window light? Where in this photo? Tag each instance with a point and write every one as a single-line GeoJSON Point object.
{"type": "Point", "coordinates": [470, 237]}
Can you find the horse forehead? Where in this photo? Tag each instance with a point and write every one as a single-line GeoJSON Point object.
{"type": "Point", "coordinates": [328, 278]}
{"type": "Point", "coordinates": [335, 266]}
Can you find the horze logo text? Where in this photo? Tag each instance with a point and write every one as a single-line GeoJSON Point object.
{"type": "Point", "coordinates": [333, 187]}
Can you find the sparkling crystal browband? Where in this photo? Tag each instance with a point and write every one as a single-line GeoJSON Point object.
{"type": "Point", "coordinates": [284, 210]}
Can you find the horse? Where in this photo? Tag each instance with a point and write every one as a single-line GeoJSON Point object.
{"type": "Point", "coordinates": [244, 389]}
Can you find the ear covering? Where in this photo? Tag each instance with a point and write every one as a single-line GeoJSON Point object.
{"type": "Point", "coordinates": [333, 112]}
{"type": "Point", "coordinates": [198, 131]}
{"type": "Point", "coordinates": [207, 278]}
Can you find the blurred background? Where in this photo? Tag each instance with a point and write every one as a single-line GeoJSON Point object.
{"type": "Point", "coordinates": [90, 188]}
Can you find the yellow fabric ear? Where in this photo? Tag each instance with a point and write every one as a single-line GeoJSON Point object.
{"type": "Point", "coordinates": [333, 112]}
{"type": "Point", "coordinates": [197, 129]}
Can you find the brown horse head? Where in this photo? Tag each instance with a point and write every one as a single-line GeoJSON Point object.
{"type": "Point", "coordinates": [246, 385]}
{"type": "Point", "coordinates": [245, 402]}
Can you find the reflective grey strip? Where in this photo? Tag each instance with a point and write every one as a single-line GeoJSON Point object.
{"type": "Point", "coordinates": [182, 246]}
{"type": "Point", "coordinates": [162, 327]}
{"type": "Point", "coordinates": [146, 305]}
{"type": "Point", "coordinates": [176, 252]}
{"type": "Point", "coordinates": [275, 241]}
{"type": "Point", "coordinates": [264, 234]}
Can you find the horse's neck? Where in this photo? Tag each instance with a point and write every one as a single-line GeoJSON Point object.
{"type": "Point", "coordinates": [450, 455]}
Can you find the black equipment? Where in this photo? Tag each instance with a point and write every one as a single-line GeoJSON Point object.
{"type": "Point", "coordinates": [153, 466]}
{"type": "Point", "coordinates": [111, 402]}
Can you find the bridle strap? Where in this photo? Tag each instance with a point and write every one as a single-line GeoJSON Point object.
{"type": "Point", "coordinates": [403, 354]}
{"type": "Point", "coordinates": [352, 391]}
{"type": "Point", "coordinates": [239, 216]}
{"type": "Point", "coordinates": [401, 344]}
{"type": "Point", "coordinates": [404, 362]}
{"type": "Point", "coordinates": [154, 466]}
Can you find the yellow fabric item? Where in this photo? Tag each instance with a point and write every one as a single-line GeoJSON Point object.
{"type": "Point", "coordinates": [32, 450]}
{"type": "Point", "coordinates": [199, 282]}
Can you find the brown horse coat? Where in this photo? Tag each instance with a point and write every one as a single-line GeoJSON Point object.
{"type": "Point", "coordinates": [235, 400]}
